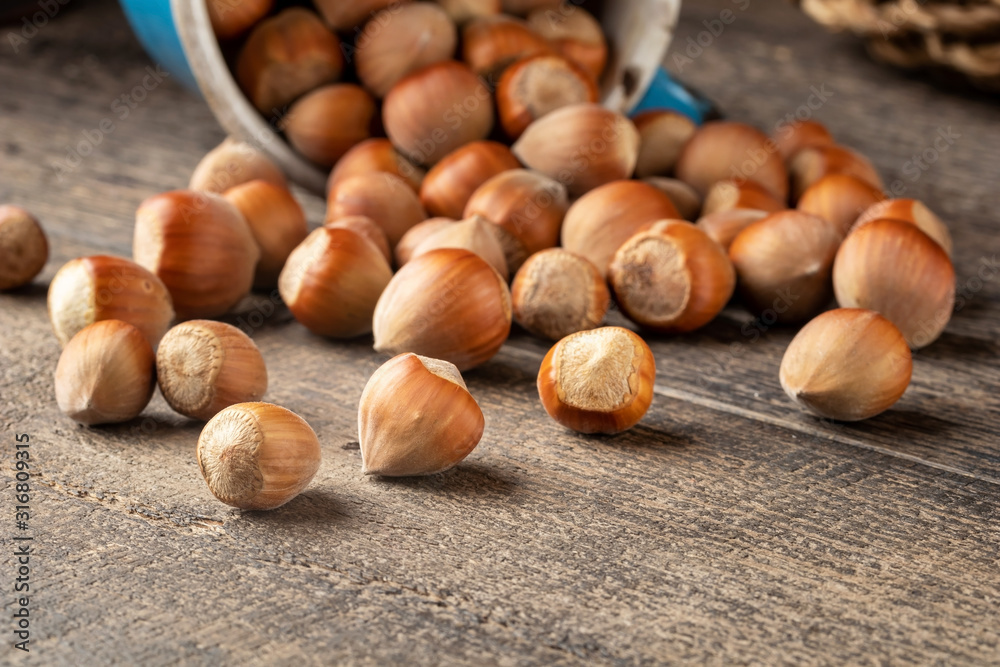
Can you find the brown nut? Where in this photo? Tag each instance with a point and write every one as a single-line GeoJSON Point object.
{"type": "Point", "coordinates": [232, 163]}
{"type": "Point", "coordinates": [341, 15]}
{"type": "Point", "coordinates": [285, 57]}
{"type": "Point", "coordinates": [663, 135]}
{"type": "Point", "coordinates": [462, 11]}
{"type": "Point", "coordinates": [400, 40]}
{"type": "Point", "coordinates": [476, 235]}
{"type": "Point", "coordinates": [105, 374]}
{"type": "Point", "coordinates": [332, 282]}
{"type": "Point", "coordinates": [375, 155]}
{"type": "Point", "coordinates": [200, 246]}
{"type": "Point", "coordinates": [793, 137]}
{"type": "Point", "coordinates": [526, 206]}
{"type": "Point", "coordinates": [447, 304]}
{"type": "Point", "coordinates": [685, 198]}
{"type": "Point", "coordinates": [326, 123]}
{"type": "Point", "coordinates": [367, 229]}
{"type": "Point", "coordinates": [417, 417]}
{"type": "Point", "coordinates": [725, 226]}
{"type": "Point", "coordinates": [93, 289]}
{"type": "Point", "coordinates": [912, 211]}
{"type": "Point", "coordinates": [722, 150]}
{"type": "Point", "coordinates": [277, 222]}
{"type": "Point", "coordinates": [492, 43]}
{"type": "Point", "coordinates": [671, 277]}
{"type": "Point", "coordinates": [417, 235]}
{"type": "Point", "coordinates": [847, 364]}
{"type": "Point", "coordinates": [602, 220]}
{"type": "Point", "coordinates": [575, 34]}
{"type": "Point", "coordinates": [525, 7]}
{"type": "Point", "coordinates": [231, 19]}
{"type": "Point", "coordinates": [203, 367]}
{"type": "Point", "coordinates": [257, 456]}
{"type": "Point", "coordinates": [583, 146]}
{"type": "Point", "coordinates": [811, 164]}
{"type": "Point", "coordinates": [24, 250]}
{"type": "Point", "coordinates": [784, 263]}
{"type": "Point", "coordinates": [557, 293]}
{"type": "Point", "coordinates": [895, 269]}
{"type": "Point", "coordinates": [839, 198]}
{"type": "Point", "coordinates": [450, 184]}
{"type": "Point", "coordinates": [728, 195]}
{"type": "Point", "coordinates": [384, 198]}
{"type": "Point", "coordinates": [598, 381]}
{"type": "Point", "coordinates": [536, 86]}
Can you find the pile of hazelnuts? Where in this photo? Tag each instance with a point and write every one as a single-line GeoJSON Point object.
{"type": "Point", "coordinates": [441, 234]}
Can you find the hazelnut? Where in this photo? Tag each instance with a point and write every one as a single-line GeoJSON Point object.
{"type": "Point", "coordinates": [93, 289]}
{"type": "Point", "coordinates": [368, 229]}
{"type": "Point", "coordinates": [417, 417]}
{"type": "Point", "coordinates": [536, 86]}
{"type": "Point", "coordinates": [728, 195]}
{"type": "Point", "coordinates": [847, 364]}
{"type": "Point", "coordinates": [341, 15]}
{"type": "Point", "coordinates": [376, 155]}
{"type": "Point", "coordinates": [417, 235]}
{"type": "Point", "coordinates": [437, 110]}
{"type": "Point", "coordinates": [790, 138]}
{"type": "Point", "coordinates": [277, 222]}
{"type": "Point", "coordinates": [575, 34]}
{"type": "Point", "coordinates": [447, 304]}
{"type": "Point", "coordinates": [914, 212]}
{"type": "Point", "coordinates": [811, 164]}
{"type": "Point", "coordinates": [784, 263]}
{"type": "Point", "coordinates": [257, 456]}
{"type": "Point", "coordinates": [686, 199]}
{"type": "Point", "coordinates": [722, 150]}
{"type": "Point", "coordinates": [231, 19]}
{"type": "Point", "coordinates": [725, 226]}
{"type": "Point", "coordinates": [476, 235]}
{"type": "Point", "coordinates": [525, 7]}
{"type": "Point", "coordinates": [492, 43]}
{"type": "Point", "coordinates": [285, 57]}
{"type": "Point", "coordinates": [203, 367]}
{"type": "Point", "coordinates": [839, 198]}
{"type": "Point", "coordinates": [462, 11]}
{"type": "Point", "coordinates": [232, 163]}
{"type": "Point", "coordinates": [200, 246]}
{"type": "Point", "coordinates": [526, 206]}
{"type": "Point", "coordinates": [332, 282]}
{"type": "Point", "coordinates": [895, 269]}
{"type": "Point", "coordinates": [584, 146]}
{"type": "Point", "coordinates": [557, 293]}
{"type": "Point", "coordinates": [671, 277]}
{"type": "Point", "coordinates": [598, 381]}
{"type": "Point", "coordinates": [384, 198]}
{"type": "Point", "coordinates": [105, 374]}
{"type": "Point", "coordinates": [326, 123]}
{"type": "Point", "coordinates": [450, 184]}
{"type": "Point", "coordinates": [24, 250]}
{"type": "Point", "coordinates": [400, 40]}
{"type": "Point", "coordinates": [662, 134]}
{"type": "Point", "coordinates": [600, 221]}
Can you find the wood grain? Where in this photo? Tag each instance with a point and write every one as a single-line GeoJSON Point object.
{"type": "Point", "coordinates": [728, 528]}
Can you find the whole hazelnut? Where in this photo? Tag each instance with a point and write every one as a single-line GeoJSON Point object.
{"type": "Point", "coordinates": [462, 11]}
{"type": "Point", "coordinates": [24, 250]}
{"type": "Point", "coordinates": [536, 86]}
{"type": "Point", "coordinates": [598, 381]}
{"type": "Point", "coordinates": [491, 43]}
{"type": "Point", "coordinates": [574, 33]}
{"type": "Point", "coordinates": [728, 195]}
{"type": "Point", "coordinates": [839, 198]}
{"type": "Point", "coordinates": [375, 155]}
{"type": "Point", "coordinates": [686, 199]}
{"type": "Point", "coordinates": [813, 163]}
{"type": "Point", "coordinates": [384, 198]}
{"type": "Point", "coordinates": [417, 417]}
{"type": "Point", "coordinates": [97, 288]}
{"type": "Point", "coordinates": [105, 374]}
{"type": "Point", "coordinates": [285, 57]}
{"type": "Point", "coordinates": [848, 364]}
{"type": "Point", "coordinates": [232, 19]}
{"type": "Point", "coordinates": [447, 304]}
{"type": "Point", "coordinates": [200, 246]}
{"type": "Point", "coordinates": [277, 222]}
{"type": "Point", "coordinates": [525, 7]}
{"type": "Point", "coordinates": [914, 212]}
{"type": "Point", "coordinates": [327, 122]}
{"type": "Point", "coordinates": [332, 282]}
{"type": "Point", "coordinates": [725, 226]}
{"type": "Point", "coordinates": [793, 137]}
{"type": "Point", "coordinates": [451, 182]}
{"type": "Point", "coordinates": [663, 134]}
{"type": "Point", "coordinates": [417, 235]}
{"type": "Point", "coordinates": [368, 229]}
{"type": "Point", "coordinates": [203, 367]}
{"type": "Point", "coordinates": [257, 456]}
{"type": "Point", "coordinates": [672, 277]}
{"type": "Point", "coordinates": [231, 163]}
{"type": "Point", "coordinates": [341, 15]}
{"type": "Point", "coordinates": [557, 293]}
{"type": "Point", "coordinates": [476, 235]}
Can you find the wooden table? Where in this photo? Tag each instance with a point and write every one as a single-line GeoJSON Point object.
{"type": "Point", "coordinates": [727, 528]}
